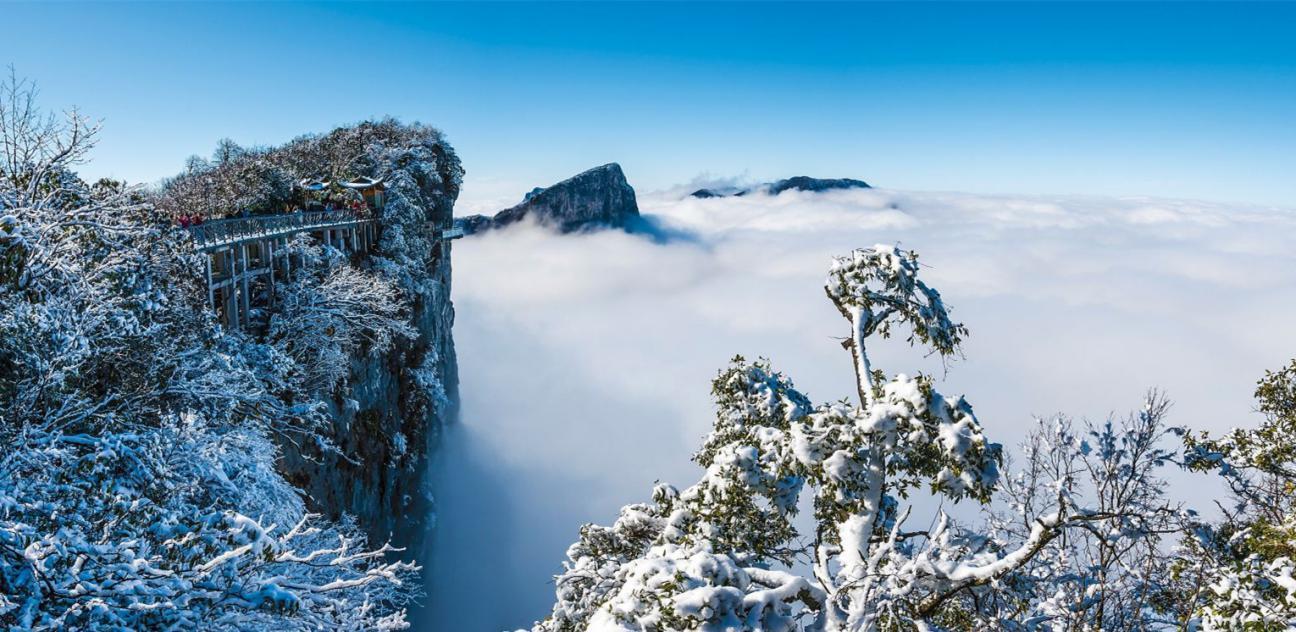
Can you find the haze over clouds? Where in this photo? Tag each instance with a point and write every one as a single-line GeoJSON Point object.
{"type": "Point", "coordinates": [585, 360]}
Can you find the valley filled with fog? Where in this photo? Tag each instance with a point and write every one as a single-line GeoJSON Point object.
{"type": "Point", "coordinates": [586, 359]}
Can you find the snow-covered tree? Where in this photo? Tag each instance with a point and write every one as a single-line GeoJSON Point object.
{"type": "Point", "coordinates": [329, 311]}
{"type": "Point", "coordinates": [724, 554]}
{"type": "Point", "coordinates": [1111, 572]}
{"type": "Point", "coordinates": [235, 180]}
{"type": "Point", "coordinates": [138, 487]}
{"type": "Point", "coordinates": [1244, 567]}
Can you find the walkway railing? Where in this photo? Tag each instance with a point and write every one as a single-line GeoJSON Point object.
{"type": "Point", "coordinates": [242, 250]}
{"type": "Point", "coordinates": [224, 232]}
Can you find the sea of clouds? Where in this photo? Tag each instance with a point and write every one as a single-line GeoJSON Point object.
{"type": "Point", "coordinates": [585, 360]}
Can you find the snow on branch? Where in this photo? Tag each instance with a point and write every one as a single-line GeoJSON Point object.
{"type": "Point", "coordinates": [878, 288]}
{"type": "Point", "coordinates": [725, 553]}
{"type": "Point", "coordinates": [138, 485]}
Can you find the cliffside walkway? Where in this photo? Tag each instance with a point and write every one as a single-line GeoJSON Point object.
{"type": "Point", "coordinates": [245, 253]}
{"type": "Point", "coordinates": [222, 233]}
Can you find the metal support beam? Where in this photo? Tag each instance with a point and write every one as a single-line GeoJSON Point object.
{"type": "Point", "coordinates": [211, 296]}
{"type": "Point", "coordinates": [270, 263]}
{"type": "Point", "coordinates": [231, 294]}
{"type": "Point", "coordinates": [243, 285]}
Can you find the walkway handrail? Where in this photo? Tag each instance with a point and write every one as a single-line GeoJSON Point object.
{"type": "Point", "coordinates": [223, 232]}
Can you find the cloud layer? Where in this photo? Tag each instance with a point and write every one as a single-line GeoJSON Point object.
{"type": "Point", "coordinates": [585, 360]}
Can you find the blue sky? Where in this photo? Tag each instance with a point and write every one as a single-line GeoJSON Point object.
{"type": "Point", "coordinates": [1178, 100]}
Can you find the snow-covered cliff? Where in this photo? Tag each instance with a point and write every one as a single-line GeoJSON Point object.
{"type": "Point", "coordinates": [386, 413]}
{"type": "Point", "coordinates": [149, 448]}
{"type": "Point", "coordinates": [389, 418]}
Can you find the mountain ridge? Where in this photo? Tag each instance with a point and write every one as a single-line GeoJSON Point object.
{"type": "Point", "coordinates": [593, 199]}
{"type": "Point", "coordinates": [795, 183]}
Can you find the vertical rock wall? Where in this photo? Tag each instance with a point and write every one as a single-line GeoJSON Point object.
{"type": "Point", "coordinates": [390, 417]}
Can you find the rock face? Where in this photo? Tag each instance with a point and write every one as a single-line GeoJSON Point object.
{"type": "Point", "coordinates": [390, 433]}
{"type": "Point", "coordinates": [390, 418]}
{"type": "Point", "coordinates": [797, 183]}
{"type": "Point", "coordinates": [598, 198]}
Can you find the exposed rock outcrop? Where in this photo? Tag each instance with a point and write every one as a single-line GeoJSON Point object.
{"type": "Point", "coordinates": [706, 194]}
{"type": "Point", "coordinates": [796, 183]}
{"type": "Point", "coordinates": [389, 417]}
{"type": "Point", "coordinates": [592, 200]}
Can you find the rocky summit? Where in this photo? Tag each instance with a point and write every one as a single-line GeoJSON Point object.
{"type": "Point", "coordinates": [796, 183]}
{"type": "Point", "coordinates": [592, 200]}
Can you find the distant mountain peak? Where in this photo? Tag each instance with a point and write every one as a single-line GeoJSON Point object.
{"type": "Point", "coordinates": [592, 199]}
{"type": "Point", "coordinates": [795, 183]}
